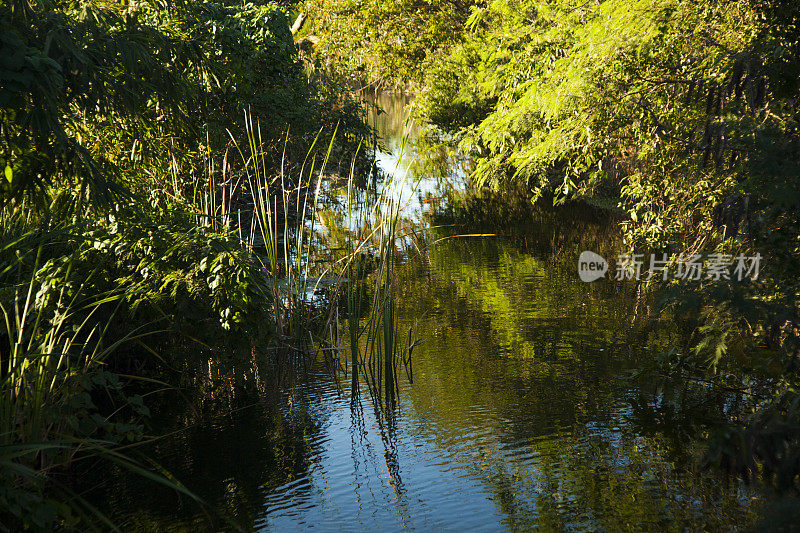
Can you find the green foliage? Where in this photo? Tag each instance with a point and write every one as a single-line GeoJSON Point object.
{"type": "Point", "coordinates": [686, 114]}
{"type": "Point", "coordinates": [72, 75]}
{"type": "Point", "coordinates": [385, 42]}
{"type": "Point", "coordinates": [114, 98]}
{"type": "Point", "coordinates": [120, 242]}
{"type": "Point", "coordinates": [82, 302]}
{"type": "Point", "coordinates": [666, 99]}
{"type": "Point", "coordinates": [447, 101]}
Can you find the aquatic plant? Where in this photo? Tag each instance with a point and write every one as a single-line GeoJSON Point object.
{"type": "Point", "coordinates": [56, 381]}
{"type": "Point", "coordinates": [285, 222]}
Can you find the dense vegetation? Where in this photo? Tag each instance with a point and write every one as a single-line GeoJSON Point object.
{"type": "Point", "coordinates": [683, 115]}
{"type": "Point", "coordinates": [128, 234]}
{"type": "Point", "coordinates": [390, 44]}
{"type": "Point", "coordinates": [141, 144]}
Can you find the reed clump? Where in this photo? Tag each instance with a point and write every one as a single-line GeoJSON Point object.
{"type": "Point", "coordinates": [351, 257]}
{"type": "Point", "coordinates": [95, 301]}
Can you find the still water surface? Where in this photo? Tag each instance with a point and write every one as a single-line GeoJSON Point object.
{"type": "Point", "coordinates": [519, 415]}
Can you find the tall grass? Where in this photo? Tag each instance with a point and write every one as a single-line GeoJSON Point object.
{"type": "Point", "coordinates": [59, 329]}
{"type": "Point", "coordinates": [283, 237]}
{"type": "Point", "coordinates": [53, 355]}
{"type": "Point", "coordinates": [284, 218]}
{"type": "Point", "coordinates": [377, 228]}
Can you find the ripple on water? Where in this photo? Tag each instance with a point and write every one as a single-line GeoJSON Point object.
{"type": "Point", "coordinates": [514, 421]}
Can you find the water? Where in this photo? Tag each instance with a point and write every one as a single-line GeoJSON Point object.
{"type": "Point", "coordinates": [520, 414]}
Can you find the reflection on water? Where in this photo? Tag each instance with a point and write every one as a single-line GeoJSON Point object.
{"type": "Point", "coordinates": [518, 416]}
{"type": "Point", "coordinates": [427, 171]}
